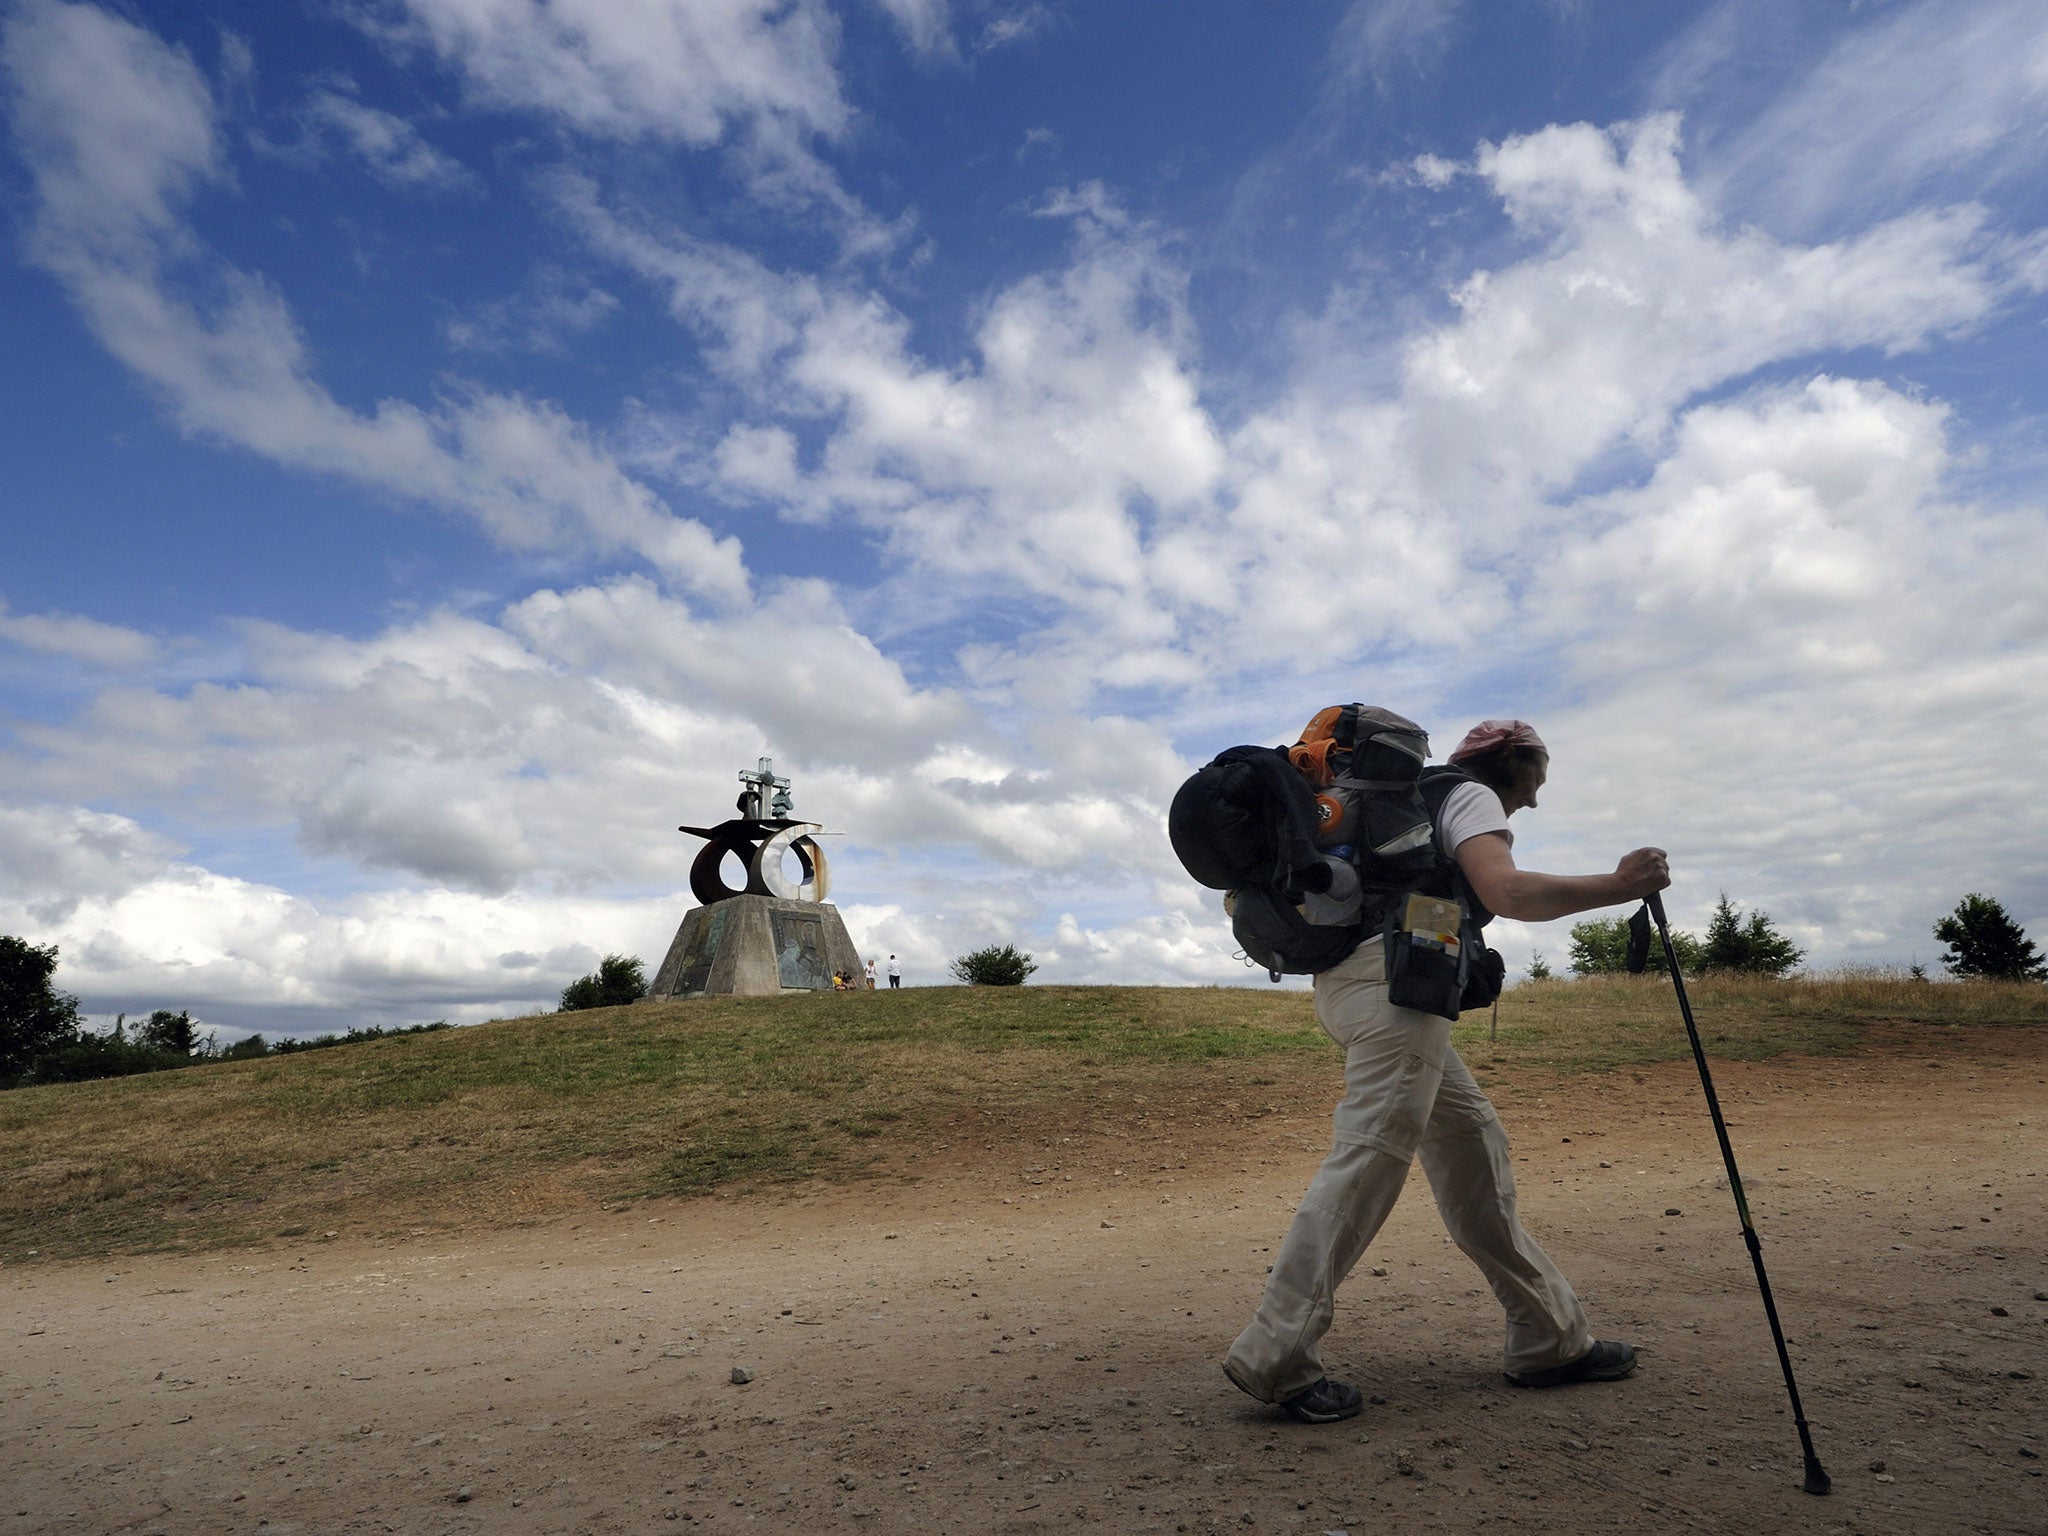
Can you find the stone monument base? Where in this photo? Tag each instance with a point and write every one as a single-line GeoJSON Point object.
{"type": "Point", "coordinates": [757, 946]}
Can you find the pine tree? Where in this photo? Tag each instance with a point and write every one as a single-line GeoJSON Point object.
{"type": "Point", "coordinates": [1753, 946]}
{"type": "Point", "coordinates": [1983, 941]}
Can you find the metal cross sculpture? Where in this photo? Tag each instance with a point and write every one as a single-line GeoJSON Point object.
{"type": "Point", "coordinates": [762, 833]}
{"type": "Point", "coordinates": [755, 802]}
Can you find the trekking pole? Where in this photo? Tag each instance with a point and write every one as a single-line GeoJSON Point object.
{"type": "Point", "coordinates": [1817, 1480]}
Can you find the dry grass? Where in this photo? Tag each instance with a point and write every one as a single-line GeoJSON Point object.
{"type": "Point", "coordinates": [529, 1117]}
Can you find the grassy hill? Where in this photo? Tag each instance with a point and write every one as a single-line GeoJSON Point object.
{"type": "Point", "coordinates": [525, 1118]}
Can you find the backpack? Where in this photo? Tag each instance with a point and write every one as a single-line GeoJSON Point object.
{"type": "Point", "coordinates": [1270, 826]}
{"type": "Point", "coordinates": [1247, 824]}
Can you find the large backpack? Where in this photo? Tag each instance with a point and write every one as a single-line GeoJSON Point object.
{"type": "Point", "coordinates": [1267, 825]}
{"type": "Point", "coordinates": [1247, 824]}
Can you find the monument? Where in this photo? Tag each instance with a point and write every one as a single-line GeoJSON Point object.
{"type": "Point", "coordinates": [772, 933]}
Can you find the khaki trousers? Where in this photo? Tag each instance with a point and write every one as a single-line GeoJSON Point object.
{"type": "Point", "coordinates": [1405, 1093]}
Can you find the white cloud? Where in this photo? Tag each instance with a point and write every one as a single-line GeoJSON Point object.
{"type": "Point", "coordinates": [682, 69]}
{"type": "Point", "coordinates": [1013, 24]}
{"type": "Point", "coordinates": [82, 639]}
{"type": "Point", "coordinates": [119, 129]}
{"type": "Point", "coordinates": [388, 145]}
{"type": "Point", "coordinates": [1941, 98]}
{"type": "Point", "coordinates": [555, 308]}
{"type": "Point", "coordinates": [925, 23]}
{"type": "Point", "coordinates": [1435, 172]}
{"type": "Point", "coordinates": [1387, 39]}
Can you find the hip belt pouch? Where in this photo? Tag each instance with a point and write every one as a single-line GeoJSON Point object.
{"type": "Point", "coordinates": [1427, 963]}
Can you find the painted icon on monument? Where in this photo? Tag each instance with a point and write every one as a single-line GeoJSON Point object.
{"type": "Point", "coordinates": [769, 929]}
{"type": "Point", "coordinates": [800, 951]}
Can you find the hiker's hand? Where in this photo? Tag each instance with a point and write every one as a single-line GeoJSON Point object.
{"type": "Point", "coordinates": [1641, 872]}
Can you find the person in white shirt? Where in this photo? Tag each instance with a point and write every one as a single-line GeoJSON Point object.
{"type": "Point", "coordinates": [1407, 1095]}
{"type": "Point", "coordinates": [895, 973]}
{"type": "Point", "coordinates": [868, 970]}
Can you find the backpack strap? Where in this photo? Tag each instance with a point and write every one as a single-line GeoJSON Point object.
{"type": "Point", "coordinates": [1437, 784]}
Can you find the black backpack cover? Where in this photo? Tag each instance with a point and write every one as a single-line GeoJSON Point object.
{"type": "Point", "coordinates": [1246, 823]}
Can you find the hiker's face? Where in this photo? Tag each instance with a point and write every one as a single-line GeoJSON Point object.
{"type": "Point", "coordinates": [1533, 778]}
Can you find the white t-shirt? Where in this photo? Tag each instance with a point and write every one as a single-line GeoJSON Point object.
{"type": "Point", "coordinates": [1469, 810]}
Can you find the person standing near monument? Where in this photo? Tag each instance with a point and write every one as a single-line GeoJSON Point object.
{"type": "Point", "coordinates": [895, 974]}
{"type": "Point", "coordinates": [1407, 1095]}
{"type": "Point", "coordinates": [868, 970]}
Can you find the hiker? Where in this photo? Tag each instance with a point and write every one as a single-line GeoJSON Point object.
{"type": "Point", "coordinates": [1407, 1093]}
{"type": "Point", "coordinates": [895, 974]}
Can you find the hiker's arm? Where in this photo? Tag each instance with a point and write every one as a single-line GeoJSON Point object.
{"type": "Point", "coordinates": [1529, 896]}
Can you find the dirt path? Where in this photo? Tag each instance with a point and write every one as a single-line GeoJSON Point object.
{"type": "Point", "coordinates": [1027, 1340]}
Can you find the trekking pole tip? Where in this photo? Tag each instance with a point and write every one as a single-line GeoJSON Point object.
{"type": "Point", "coordinates": [1817, 1480]}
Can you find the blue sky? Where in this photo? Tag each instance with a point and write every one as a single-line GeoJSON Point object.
{"type": "Point", "coordinates": [447, 439]}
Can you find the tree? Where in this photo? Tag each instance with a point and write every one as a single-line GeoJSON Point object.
{"type": "Point", "coordinates": [168, 1031]}
{"type": "Point", "coordinates": [1983, 941]}
{"type": "Point", "coordinates": [1600, 948]}
{"type": "Point", "coordinates": [994, 967]}
{"type": "Point", "coordinates": [1539, 968]}
{"type": "Point", "coordinates": [618, 979]}
{"type": "Point", "coordinates": [34, 1016]}
{"type": "Point", "coordinates": [1752, 946]}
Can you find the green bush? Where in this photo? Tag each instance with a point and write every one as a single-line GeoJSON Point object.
{"type": "Point", "coordinates": [994, 967]}
{"type": "Point", "coordinates": [1600, 948]}
{"type": "Point", "coordinates": [618, 979]}
{"type": "Point", "coordinates": [92, 1056]}
{"type": "Point", "coordinates": [322, 1042]}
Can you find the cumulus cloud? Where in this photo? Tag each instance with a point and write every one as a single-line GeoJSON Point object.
{"type": "Point", "coordinates": [119, 130]}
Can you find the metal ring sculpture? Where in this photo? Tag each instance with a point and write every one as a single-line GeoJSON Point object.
{"type": "Point", "coordinates": [760, 847]}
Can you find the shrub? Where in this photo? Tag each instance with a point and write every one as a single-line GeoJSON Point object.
{"type": "Point", "coordinates": [994, 967]}
{"type": "Point", "coordinates": [91, 1055]}
{"type": "Point", "coordinates": [353, 1037]}
{"type": "Point", "coordinates": [1600, 948]}
{"type": "Point", "coordinates": [618, 979]}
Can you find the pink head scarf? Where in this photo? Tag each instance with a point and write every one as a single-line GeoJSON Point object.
{"type": "Point", "coordinates": [1492, 735]}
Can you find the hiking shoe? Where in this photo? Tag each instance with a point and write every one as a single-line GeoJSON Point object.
{"type": "Point", "coordinates": [1607, 1360]}
{"type": "Point", "coordinates": [1325, 1403]}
